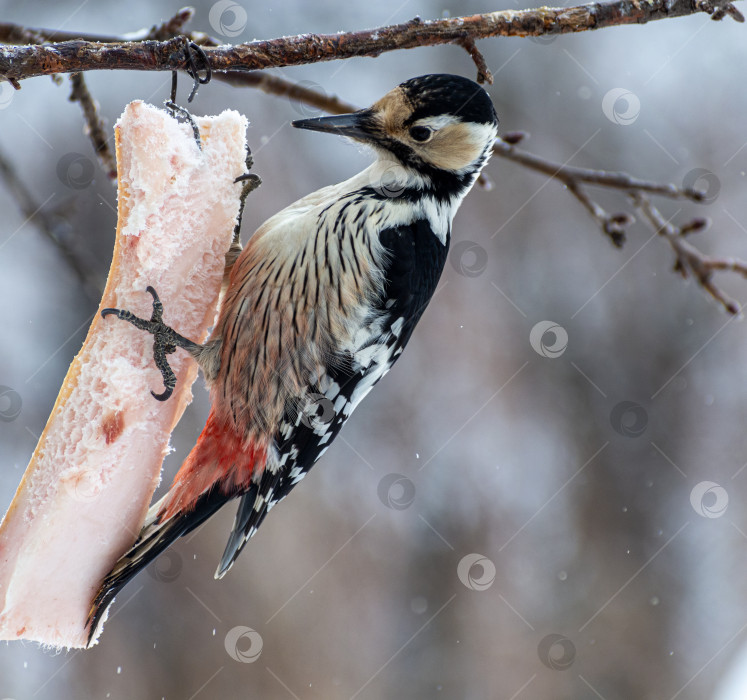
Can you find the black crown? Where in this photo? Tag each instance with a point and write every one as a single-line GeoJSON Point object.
{"type": "Point", "coordinates": [441, 93]}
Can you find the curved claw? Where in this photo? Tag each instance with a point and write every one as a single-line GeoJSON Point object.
{"type": "Point", "coordinates": [157, 315]}
{"type": "Point", "coordinates": [108, 312]}
{"type": "Point", "coordinates": [169, 378]}
{"type": "Point", "coordinates": [165, 395]}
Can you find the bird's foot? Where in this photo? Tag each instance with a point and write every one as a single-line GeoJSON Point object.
{"type": "Point", "coordinates": [165, 340]}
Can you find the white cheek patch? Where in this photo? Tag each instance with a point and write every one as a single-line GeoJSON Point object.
{"type": "Point", "coordinates": [460, 146]}
{"type": "Point", "coordinates": [481, 133]}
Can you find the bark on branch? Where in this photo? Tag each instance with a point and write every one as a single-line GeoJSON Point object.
{"type": "Point", "coordinates": [160, 49]}
{"type": "Point", "coordinates": [21, 62]}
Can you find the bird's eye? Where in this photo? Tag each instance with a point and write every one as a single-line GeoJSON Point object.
{"type": "Point", "coordinates": [420, 133]}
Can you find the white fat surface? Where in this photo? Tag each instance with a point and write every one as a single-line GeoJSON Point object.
{"type": "Point", "coordinates": [84, 498]}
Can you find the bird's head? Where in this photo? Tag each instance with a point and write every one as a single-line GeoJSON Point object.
{"type": "Point", "coordinates": [439, 126]}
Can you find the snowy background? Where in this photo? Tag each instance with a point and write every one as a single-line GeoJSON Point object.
{"type": "Point", "coordinates": [595, 561]}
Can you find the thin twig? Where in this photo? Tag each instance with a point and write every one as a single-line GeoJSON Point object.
{"type": "Point", "coordinates": [171, 27]}
{"type": "Point", "coordinates": [94, 125]}
{"type": "Point", "coordinates": [604, 178]}
{"type": "Point", "coordinates": [575, 178]}
{"type": "Point", "coordinates": [613, 225]}
{"type": "Point", "coordinates": [21, 62]}
{"type": "Point", "coordinates": [51, 225]}
{"type": "Point", "coordinates": [483, 72]}
{"type": "Point", "coordinates": [689, 261]}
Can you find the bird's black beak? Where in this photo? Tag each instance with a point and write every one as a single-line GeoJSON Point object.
{"type": "Point", "coordinates": [356, 125]}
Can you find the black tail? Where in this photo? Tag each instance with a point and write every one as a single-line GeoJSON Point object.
{"type": "Point", "coordinates": [154, 538]}
{"type": "Point", "coordinates": [248, 518]}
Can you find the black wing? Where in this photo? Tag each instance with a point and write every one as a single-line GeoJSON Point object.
{"type": "Point", "coordinates": [415, 260]}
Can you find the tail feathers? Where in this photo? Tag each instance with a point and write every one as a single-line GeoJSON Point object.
{"type": "Point", "coordinates": [254, 506]}
{"type": "Point", "coordinates": [220, 467]}
{"type": "Point", "coordinates": [240, 533]}
{"type": "Point", "coordinates": [155, 536]}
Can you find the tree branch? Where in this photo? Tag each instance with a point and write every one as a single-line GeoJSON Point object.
{"type": "Point", "coordinates": [575, 178]}
{"type": "Point", "coordinates": [270, 84]}
{"type": "Point", "coordinates": [689, 261]}
{"type": "Point", "coordinates": [159, 49]}
{"type": "Point", "coordinates": [21, 62]}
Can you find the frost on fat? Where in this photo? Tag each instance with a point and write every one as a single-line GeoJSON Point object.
{"type": "Point", "coordinates": [91, 478]}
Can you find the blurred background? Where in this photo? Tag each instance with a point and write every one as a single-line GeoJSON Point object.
{"type": "Point", "coordinates": [519, 510]}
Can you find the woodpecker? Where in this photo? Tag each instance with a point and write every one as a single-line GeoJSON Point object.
{"type": "Point", "coordinates": [319, 306]}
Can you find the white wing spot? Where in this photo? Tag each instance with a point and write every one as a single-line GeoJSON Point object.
{"type": "Point", "coordinates": [397, 327]}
